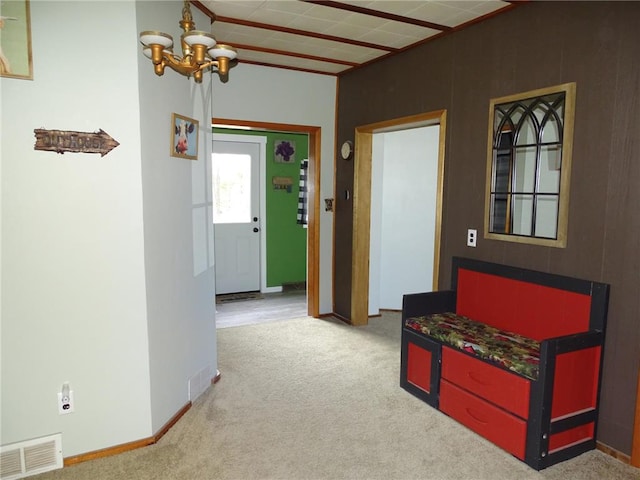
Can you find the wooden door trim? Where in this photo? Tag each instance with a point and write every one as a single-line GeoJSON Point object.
{"type": "Point", "coordinates": [362, 204]}
{"type": "Point", "coordinates": [635, 448]}
{"type": "Point", "coordinates": [313, 199]}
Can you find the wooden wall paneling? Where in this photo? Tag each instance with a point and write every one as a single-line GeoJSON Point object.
{"type": "Point", "coordinates": [343, 230]}
{"type": "Point", "coordinates": [350, 103]}
{"type": "Point", "coordinates": [465, 176]}
{"type": "Point", "coordinates": [593, 120]}
{"type": "Point", "coordinates": [621, 250]}
{"type": "Point", "coordinates": [604, 227]}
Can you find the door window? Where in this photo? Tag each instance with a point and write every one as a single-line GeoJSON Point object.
{"type": "Point", "coordinates": [232, 187]}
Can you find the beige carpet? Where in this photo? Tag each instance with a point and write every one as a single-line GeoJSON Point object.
{"type": "Point", "coordinates": [316, 399]}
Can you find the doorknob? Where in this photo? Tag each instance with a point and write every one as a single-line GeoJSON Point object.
{"type": "Point", "coordinates": [255, 219]}
{"type": "Point", "coordinates": [256, 229]}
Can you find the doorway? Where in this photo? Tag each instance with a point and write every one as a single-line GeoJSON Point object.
{"type": "Point", "coordinates": [362, 203]}
{"type": "Point", "coordinates": [313, 199]}
{"type": "Point", "coordinates": [404, 182]}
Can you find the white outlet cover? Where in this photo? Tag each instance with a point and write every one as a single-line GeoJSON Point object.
{"type": "Point", "coordinates": [472, 236]}
{"type": "Point", "coordinates": [71, 403]}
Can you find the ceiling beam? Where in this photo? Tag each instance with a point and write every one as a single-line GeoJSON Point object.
{"type": "Point", "coordinates": [377, 13]}
{"type": "Point", "coordinates": [288, 67]}
{"type": "Point", "coordinates": [289, 53]}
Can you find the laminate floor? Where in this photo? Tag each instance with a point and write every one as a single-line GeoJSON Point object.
{"type": "Point", "coordinates": [273, 307]}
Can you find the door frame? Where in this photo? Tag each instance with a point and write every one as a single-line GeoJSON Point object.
{"type": "Point", "coordinates": [362, 204]}
{"type": "Point", "coordinates": [635, 447]}
{"type": "Point", "coordinates": [313, 198]}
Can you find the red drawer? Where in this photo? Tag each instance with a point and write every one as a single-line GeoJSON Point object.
{"type": "Point", "coordinates": [505, 430]}
{"type": "Point", "coordinates": [505, 389]}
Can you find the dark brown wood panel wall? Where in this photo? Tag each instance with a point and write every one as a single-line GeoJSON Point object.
{"type": "Point", "coordinates": [596, 45]}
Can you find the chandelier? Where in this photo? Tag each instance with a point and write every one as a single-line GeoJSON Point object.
{"type": "Point", "coordinates": [200, 51]}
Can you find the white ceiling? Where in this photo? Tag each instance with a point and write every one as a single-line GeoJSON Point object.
{"type": "Point", "coordinates": [330, 37]}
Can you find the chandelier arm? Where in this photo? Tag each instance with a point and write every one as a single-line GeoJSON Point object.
{"type": "Point", "coordinates": [208, 64]}
{"type": "Point", "coordinates": [185, 68]}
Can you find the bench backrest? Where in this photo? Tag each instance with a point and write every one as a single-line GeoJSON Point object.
{"type": "Point", "coordinates": [535, 304]}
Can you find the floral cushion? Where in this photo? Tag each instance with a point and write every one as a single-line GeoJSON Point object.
{"type": "Point", "coordinates": [509, 350]}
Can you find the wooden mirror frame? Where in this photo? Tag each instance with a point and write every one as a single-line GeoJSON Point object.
{"type": "Point", "coordinates": [565, 174]}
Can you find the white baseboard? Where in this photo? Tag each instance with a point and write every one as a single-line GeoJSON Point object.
{"type": "Point", "coordinates": [271, 289]}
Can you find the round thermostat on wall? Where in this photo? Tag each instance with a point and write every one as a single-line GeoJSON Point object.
{"type": "Point", "coordinates": [347, 150]}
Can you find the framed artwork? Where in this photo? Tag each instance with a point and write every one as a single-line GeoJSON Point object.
{"type": "Point", "coordinates": [15, 40]}
{"type": "Point", "coordinates": [184, 137]}
{"type": "Point", "coordinates": [285, 151]}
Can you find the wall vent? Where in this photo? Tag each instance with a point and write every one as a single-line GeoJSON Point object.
{"type": "Point", "coordinates": [23, 459]}
{"type": "Point", "coordinates": [199, 383]}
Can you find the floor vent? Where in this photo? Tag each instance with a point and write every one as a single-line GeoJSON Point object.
{"type": "Point", "coordinates": [23, 459]}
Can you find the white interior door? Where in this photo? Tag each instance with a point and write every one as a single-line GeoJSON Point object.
{"type": "Point", "coordinates": [236, 216]}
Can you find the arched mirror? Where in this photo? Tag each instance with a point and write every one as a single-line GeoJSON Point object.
{"type": "Point", "coordinates": [529, 166]}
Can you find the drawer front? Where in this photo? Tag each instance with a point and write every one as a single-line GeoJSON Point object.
{"type": "Point", "coordinates": [505, 389]}
{"type": "Point", "coordinates": [420, 367]}
{"type": "Point", "coordinates": [505, 430]}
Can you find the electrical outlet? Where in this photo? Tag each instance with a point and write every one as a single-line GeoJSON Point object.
{"type": "Point", "coordinates": [65, 400]}
{"type": "Point", "coordinates": [472, 235]}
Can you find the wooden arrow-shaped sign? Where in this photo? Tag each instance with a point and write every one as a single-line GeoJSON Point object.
{"type": "Point", "coordinates": [61, 141]}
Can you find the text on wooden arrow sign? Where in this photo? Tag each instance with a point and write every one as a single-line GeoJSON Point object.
{"type": "Point", "coordinates": [61, 141]}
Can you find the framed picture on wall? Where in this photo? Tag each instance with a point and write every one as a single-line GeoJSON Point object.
{"type": "Point", "coordinates": [15, 40]}
{"type": "Point", "coordinates": [285, 151]}
{"type": "Point", "coordinates": [184, 137]}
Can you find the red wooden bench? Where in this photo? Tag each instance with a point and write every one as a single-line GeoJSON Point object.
{"type": "Point", "coordinates": [513, 354]}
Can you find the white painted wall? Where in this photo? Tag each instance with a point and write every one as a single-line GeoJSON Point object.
{"type": "Point", "coordinates": [276, 95]}
{"type": "Point", "coordinates": [107, 262]}
{"type": "Point", "coordinates": [73, 282]}
{"type": "Point", "coordinates": [177, 207]}
{"type": "Point", "coordinates": [107, 278]}
{"type": "Point", "coordinates": [404, 187]}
